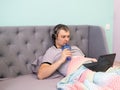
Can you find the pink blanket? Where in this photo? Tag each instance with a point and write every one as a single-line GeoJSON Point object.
{"type": "Point", "coordinates": [80, 78]}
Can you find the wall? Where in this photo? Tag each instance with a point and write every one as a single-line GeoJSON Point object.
{"type": "Point", "coordinates": [45, 12]}
{"type": "Point", "coordinates": [116, 35]}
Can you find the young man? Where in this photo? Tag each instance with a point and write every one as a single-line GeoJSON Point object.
{"type": "Point", "coordinates": [55, 58]}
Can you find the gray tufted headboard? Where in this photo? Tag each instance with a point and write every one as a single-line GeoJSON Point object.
{"type": "Point", "coordinates": [19, 46]}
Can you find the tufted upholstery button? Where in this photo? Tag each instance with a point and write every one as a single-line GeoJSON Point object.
{"type": "Point", "coordinates": [76, 29]}
{"type": "Point", "coordinates": [18, 53]}
{"type": "Point", "coordinates": [19, 73]}
{"type": "Point", "coordinates": [34, 51]}
{"type": "Point", "coordinates": [17, 32]}
{"type": "Point", "coordinates": [2, 76]}
{"type": "Point", "coordinates": [10, 64]}
{"type": "Point", "coordinates": [0, 32]}
{"type": "Point", "coordinates": [34, 31]}
{"type": "Point", "coordinates": [1, 54]}
{"type": "Point", "coordinates": [81, 38]}
{"type": "Point", "coordinates": [71, 37]}
{"type": "Point", "coordinates": [49, 30]}
{"type": "Point", "coordinates": [41, 41]}
{"type": "Point", "coordinates": [9, 43]}
{"type": "Point", "coordinates": [26, 41]}
{"type": "Point", "coordinates": [27, 61]}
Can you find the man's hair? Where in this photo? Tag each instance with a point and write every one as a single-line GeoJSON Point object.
{"type": "Point", "coordinates": [56, 30]}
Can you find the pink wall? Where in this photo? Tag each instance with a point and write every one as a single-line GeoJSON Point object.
{"type": "Point", "coordinates": [116, 31]}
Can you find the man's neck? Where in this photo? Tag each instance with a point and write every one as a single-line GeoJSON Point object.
{"type": "Point", "coordinates": [57, 46]}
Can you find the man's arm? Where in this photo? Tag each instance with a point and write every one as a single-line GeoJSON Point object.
{"type": "Point", "coordinates": [46, 70]}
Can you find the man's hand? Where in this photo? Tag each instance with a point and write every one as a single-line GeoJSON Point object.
{"type": "Point", "coordinates": [65, 53]}
{"type": "Point", "coordinates": [90, 59]}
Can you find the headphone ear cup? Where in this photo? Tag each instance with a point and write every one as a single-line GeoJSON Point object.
{"type": "Point", "coordinates": [53, 36]}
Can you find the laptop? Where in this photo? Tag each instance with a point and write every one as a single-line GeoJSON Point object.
{"type": "Point", "coordinates": [104, 62]}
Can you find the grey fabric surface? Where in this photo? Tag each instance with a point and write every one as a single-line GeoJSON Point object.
{"type": "Point", "coordinates": [29, 82]}
{"type": "Point", "coordinates": [97, 42]}
{"type": "Point", "coordinates": [21, 45]}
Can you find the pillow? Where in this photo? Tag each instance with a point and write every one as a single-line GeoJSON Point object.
{"type": "Point", "coordinates": [35, 64]}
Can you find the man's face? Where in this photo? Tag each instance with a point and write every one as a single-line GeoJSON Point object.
{"type": "Point", "coordinates": [62, 38]}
